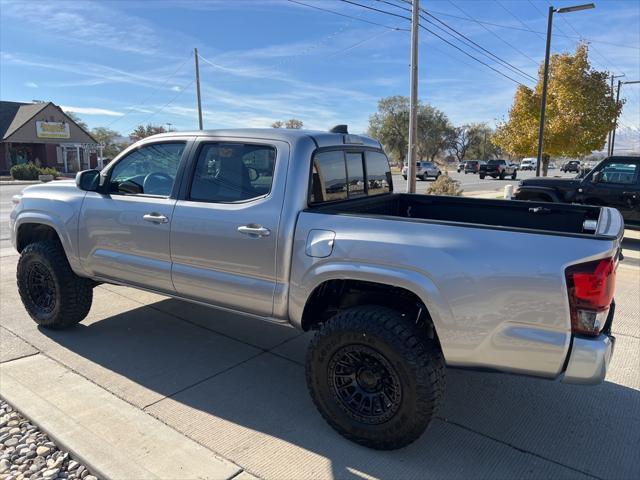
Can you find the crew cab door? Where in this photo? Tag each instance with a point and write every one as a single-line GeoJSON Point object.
{"type": "Point", "coordinates": [224, 232]}
{"type": "Point", "coordinates": [617, 187]}
{"type": "Point", "coordinates": [125, 229]}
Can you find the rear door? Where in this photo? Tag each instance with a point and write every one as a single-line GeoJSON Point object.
{"type": "Point", "coordinates": [225, 224]}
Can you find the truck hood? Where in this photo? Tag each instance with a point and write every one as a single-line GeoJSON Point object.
{"type": "Point", "coordinates": [553, 182]}
{"type": "Point", "coordinates": [53, 188]}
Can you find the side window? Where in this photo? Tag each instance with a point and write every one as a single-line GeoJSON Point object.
{"type": "Point", "coordinates": [355, 174]}
{"type": "Point", "coordinates": [328, 177]}
{"type": "Point", "coordinates": [622, 173]}
{"type": "Point", "coordinates": [378, 173]}
{"type": "Point", "coordinates": [150, 170]}
{"type": "Point", "coordinates": [232, 172]}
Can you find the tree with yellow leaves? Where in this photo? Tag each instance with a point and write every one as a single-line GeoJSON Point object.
{"type": "Point", "coordinates": [580, 111]}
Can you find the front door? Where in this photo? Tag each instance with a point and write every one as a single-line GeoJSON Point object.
{"type": "Point", "coordinates": [124, 232]}
{"type": "Point", "coordinates": [224, 230]}
{"type": "Point", "coordinates": [617, 187]}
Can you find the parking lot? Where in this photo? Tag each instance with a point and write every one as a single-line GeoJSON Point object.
{"type": "Point", "coordinates": [235, 386]}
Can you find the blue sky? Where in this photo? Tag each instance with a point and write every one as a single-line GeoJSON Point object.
{"type": "Point", "coordinates": [119, 63]}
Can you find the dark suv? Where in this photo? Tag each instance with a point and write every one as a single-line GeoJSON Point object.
{"type": "Point", "coordinates": [614, 182]}
{"type": "Point", "coordinates": [572, 166]}
{"type": "Point", "coordinates": [498, 169]}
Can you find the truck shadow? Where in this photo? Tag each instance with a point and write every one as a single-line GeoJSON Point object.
{"type": "Point", "coordinates": [254, 408]}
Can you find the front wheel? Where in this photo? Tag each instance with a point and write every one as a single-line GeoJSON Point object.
{"type": "Point", "coordinates": [425, 177]}
{"type": "Point", "coordinates": [375, 376]}
{"type": "Point", "coordinates": [404, 176]}
{"type": "Point", "coordinates": [514, 175]}
{"type": "Point", "coordinates": [481, 177]}
{"type": "Point", "coordinates": [52, 294]}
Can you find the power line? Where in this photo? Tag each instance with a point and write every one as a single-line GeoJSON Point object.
{"type": "Point", "coordinates": [153, 92]}
{"type": "Point", "coordinates": [173, 99]}
{"type": "Point", "coordinates": [470, 43]}
{"type": "Point", "coordinates": [495, 34]}
{"type": "Point", "coordinates": [347, 16]}
{"type": "Point", "coordinates": [527, 27]}
{"type": "Point", "coordinates": [441, 38]}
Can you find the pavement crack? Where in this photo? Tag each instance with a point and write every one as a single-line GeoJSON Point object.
{"type": "Point", "coordinates": [519, 449]}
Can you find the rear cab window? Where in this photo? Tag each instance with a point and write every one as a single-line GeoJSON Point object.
{"type": "Point", "coordinates": [345, 174]}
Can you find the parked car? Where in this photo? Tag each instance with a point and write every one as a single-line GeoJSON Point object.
{"type": "Point", "coordinates": [424, 170]}
{"type": "Point", "coordinates": [460, 167]}
{"type": "Point", "coordinates": [528, 164]}
{"type": "Point", "coordinates": [571, 166]}
{"type": "Point", "coordinates": [498, 169]}
{"type": "Point", "coordinates": [551, 166]}
{"type": "Point", "coordinates": [471, 166]}
{"type": "Point", "coordinates": [391, 283]}
{"type": "Point", "coordinates": [614, 182]}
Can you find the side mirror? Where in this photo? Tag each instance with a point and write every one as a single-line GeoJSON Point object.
{"type": "Point", "coordinates": [253, 174]}
{"type": "Point", "coordinates": [88, 180]}
{"type": "Point", "coordinates": [596, 177]}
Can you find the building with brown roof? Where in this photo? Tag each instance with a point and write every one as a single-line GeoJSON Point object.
{"type": "Point", "coordinates": [43, 134]}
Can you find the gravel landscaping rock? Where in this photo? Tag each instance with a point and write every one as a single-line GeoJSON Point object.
{"type": "Point", "coordinates": [26, 453]}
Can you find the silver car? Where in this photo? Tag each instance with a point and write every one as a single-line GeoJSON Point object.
{"type": "Point", "coordinates": [424, 170]}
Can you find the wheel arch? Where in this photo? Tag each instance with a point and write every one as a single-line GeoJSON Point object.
{"type": "Point", "coordinates": [335, 289]}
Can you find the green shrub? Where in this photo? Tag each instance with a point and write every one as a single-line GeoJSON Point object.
{"type": "Point", "coordinates": [445, 185]}
{"type": "Point", "coordinates": [29, 171]}
{"type": "Point", "coordinates": [49, 171]}
{"type": "Point", "coordinates": [25, 171]}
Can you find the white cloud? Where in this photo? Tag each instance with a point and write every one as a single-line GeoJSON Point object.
{"type": "Point", "coordinates": [176, 88]}
{"type": "Point", "coordinates": [92, 111]}
{"type": "Point", "coordinates": [31, 84]}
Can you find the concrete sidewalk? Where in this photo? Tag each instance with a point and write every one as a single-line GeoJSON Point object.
{"type": "Point", "coordinates": [235, 386]}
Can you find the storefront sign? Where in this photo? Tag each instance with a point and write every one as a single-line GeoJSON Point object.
{"type": "Point", "coordinates": [52, 130]}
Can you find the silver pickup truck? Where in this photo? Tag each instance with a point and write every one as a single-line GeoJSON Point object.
{"type": "Point", "coordinates": [304, 229]}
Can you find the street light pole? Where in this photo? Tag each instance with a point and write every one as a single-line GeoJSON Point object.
{"type": "Point", "coordinates": [545, 78]}
{"type": "Point", "coordinates": [611, 131]}
{"type": "Point", "coordinates": [615, 124]}
{"type": "Point", "coordinates": [413, 101]}
{"type": "Point", "coordinates": [545, 81]}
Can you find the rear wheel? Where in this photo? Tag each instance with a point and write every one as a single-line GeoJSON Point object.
{"type": "Point", "coordinates": [502, 175]}
{"type": "Point", "coordinates": [404, 176]}
{"type": "Point", "coordinates": [52, 294]}
{"type": "Point", "coordinates": [425, 177]}
{"type": "Point", "coordinates": [514, 175]}
{"type": "Point", "coordinates": [375, 377]}
{"type": "Point", "coordinates": [481, 176]}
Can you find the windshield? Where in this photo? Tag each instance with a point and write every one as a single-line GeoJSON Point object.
{"type": "Point", "coordinates": [494, 162]}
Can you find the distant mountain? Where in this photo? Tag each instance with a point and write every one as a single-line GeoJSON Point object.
{"type": "Point", "coordinates": [627, 140]}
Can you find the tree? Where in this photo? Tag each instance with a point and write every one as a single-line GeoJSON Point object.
{"type": "Point", "coordinates": [481, 146]}
{"type": "Point", "coordinates": [141, 131]}
{"type": "Point", "coordinates": [106, 137]}
{"type": "Point", "coordinates": [74, 116]}
{"type": "Point", "coordinates": [434, 132]}
{"type": "Point", "coordinates": [291, 123]}
{"type": "Point", "coordinates": [390, 125]}
{"type": "Point", "coordinates": [580, 111]}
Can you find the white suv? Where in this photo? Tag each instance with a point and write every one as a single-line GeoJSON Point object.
{"type": "Point", "coordinates": [424, 170]}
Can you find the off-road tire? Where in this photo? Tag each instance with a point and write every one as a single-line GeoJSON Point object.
{"type": "Point", "coordinates": [414, 359]}
{"type": "Point", "coordinates": [70, 295]}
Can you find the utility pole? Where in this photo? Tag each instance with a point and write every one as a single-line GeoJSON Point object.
{"type": "Point", "coordinates": [615, 124]}
{"type": "Point", "coordinates": [545, 78]}
{"type": "Point", "coordinates": [195, 52]}
{"type": "Point", "coordinates": [413, 102]}
{"type": "Point", "coordinates": [611, 131]}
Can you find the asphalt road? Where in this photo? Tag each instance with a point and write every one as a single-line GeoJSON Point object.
{"type": "Point", "coordinates": [472, 183]}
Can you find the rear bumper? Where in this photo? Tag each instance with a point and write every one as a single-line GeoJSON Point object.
{"type": "Point", "coordinates": [589, 359]}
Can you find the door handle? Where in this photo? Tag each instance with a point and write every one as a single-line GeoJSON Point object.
{"type": "Point", "coordinates": [254, 231]}
{"type": "Point", "coordinates": [154, 217]}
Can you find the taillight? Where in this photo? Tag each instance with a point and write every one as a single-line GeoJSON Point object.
{"type": "Point", "coordinates": [590, 286]}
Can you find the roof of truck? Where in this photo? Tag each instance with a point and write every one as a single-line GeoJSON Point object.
{"type": "Point", "coordinates": [321, 138]}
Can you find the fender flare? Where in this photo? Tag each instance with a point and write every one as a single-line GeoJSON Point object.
{"type": "Point", "coordinates": [415, 281]}
{"type": "Point", "coordinates": [551, 192]}
{"type": "Point", "coordinates": [40, 218]}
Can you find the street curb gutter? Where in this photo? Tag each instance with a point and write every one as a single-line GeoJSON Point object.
{"type": "Point", "coordinates": [112, 438]}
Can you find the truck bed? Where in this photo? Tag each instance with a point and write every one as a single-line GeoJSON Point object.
{"type": "Point", "coordinates": [542, 217]}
